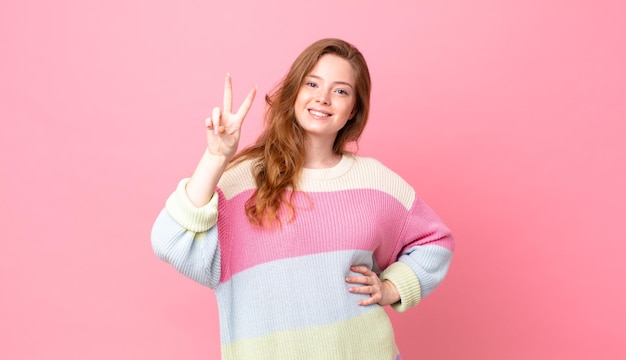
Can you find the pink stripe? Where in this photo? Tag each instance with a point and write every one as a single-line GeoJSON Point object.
{"type": "Point", "coordinates": [362, 219]}
{"type": "Point", "coordinates": [430, 228]}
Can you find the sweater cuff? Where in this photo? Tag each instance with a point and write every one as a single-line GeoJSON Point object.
{"type": "Point", "coordinates": [407, 284]}
{"type": "Point", "coordinates": [190, 217]}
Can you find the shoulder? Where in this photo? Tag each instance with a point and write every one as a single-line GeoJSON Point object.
{"type": "Point", "coordinates": [372, 163]}
{"type": "Point", "coordinates": [374, 170]}
{"type": "Point", "coordinates": [370, 173]}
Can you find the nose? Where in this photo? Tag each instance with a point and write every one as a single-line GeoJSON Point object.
{"type": "Point", "coordinates": [323, 98]}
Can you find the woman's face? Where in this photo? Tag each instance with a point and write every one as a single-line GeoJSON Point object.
{"type": "Point", "coordinates": [326, 99]}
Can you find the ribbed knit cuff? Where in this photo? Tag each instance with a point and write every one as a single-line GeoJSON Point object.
{"type": "Point", "coordinates": [407, 284]}
{"type": "Point", "coordinates": [187, 214]}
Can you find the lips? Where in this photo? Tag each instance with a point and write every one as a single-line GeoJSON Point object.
{"type": "Point", "coordinates": [319, 113]}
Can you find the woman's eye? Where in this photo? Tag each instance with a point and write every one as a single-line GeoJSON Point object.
{"type": "Point", "coordinates": [342, 92]}
{"type": "Point", "coordinates": [311, 84]}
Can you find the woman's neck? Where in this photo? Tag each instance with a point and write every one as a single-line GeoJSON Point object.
{"type": "Point", "coordinates": [320, 156]}
{"type": "Point", "coordinates": [321, 163]}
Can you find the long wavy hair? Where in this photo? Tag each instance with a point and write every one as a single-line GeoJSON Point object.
{"type": "Point", "coordinates": [279, 152]}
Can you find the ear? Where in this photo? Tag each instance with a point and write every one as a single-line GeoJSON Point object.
{"type": "Point", "coordinates": [352, 114]}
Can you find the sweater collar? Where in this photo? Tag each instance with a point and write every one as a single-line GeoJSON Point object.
{"type": "Point", "coordinates": [342, 167]}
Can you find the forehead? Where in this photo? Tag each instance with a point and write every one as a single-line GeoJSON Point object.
{"type": "Point", "coordinates": [333, 68]}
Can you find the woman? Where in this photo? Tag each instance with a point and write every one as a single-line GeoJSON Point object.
{"type": "Point", "coordinates": [303, 242]}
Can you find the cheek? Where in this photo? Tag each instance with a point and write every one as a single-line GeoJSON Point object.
{"type": "Point", "coordinates": [350, 109]}
{"type": "Point", "coordinates": [301, 100]}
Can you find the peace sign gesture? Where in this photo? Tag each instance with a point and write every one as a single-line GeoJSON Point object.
{"type": "Point", "coordinates": [224, 126]}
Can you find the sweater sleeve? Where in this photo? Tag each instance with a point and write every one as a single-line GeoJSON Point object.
{"type": "Point", "coordinates": [423, 256]}
{"type": "Point", "coordinates": [186, 237]}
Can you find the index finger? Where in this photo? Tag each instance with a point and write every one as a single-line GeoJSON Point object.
{"type": "Point", "coordinates": [228, 94]}
{"type": "Point", "coordinates": [361, 269]}
{"type": "Point", "coordinates": [247, 103]}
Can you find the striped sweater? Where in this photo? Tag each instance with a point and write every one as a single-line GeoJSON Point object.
{"type": "Point", "coordinates": [282, 293]}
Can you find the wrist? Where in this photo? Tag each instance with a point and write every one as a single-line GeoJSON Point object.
{"type": "Point", "coordinates": [216, 160]}
{"type": "Point", "coordinates": [392, 294]}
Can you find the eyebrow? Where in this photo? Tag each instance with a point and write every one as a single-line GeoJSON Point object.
{"type": "Point", "coordinates": [335, 82]}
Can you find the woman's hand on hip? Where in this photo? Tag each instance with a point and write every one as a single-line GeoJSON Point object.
{"type": "Point", "coordinates": [381, 292]}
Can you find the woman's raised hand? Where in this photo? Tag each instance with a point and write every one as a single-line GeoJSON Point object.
{"type": "Point", "coordinates": [224, 126]}
{"type": "Point", "coordinates": [223, 129]}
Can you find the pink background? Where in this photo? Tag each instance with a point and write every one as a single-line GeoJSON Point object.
{"type": "Point", "coordinates": [507, 116]}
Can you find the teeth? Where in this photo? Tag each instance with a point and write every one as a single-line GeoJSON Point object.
{"type": "Point", "coordinates": [318, 113]}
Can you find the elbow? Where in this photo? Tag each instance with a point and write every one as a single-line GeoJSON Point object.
{"type": "Point", "coordinates": [157, 246]}
{"type": "Point", "coordinates": [161, 238]}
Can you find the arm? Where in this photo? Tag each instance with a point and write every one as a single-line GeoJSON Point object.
{"type": "Point", "coordinates": [185, 234]}
{"type": "Point", "coordinates": [186, 237]}
{"type": "Point", "coordinates": [223, 131]}
{"type": "Point", "coordinates": [425, 251]}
